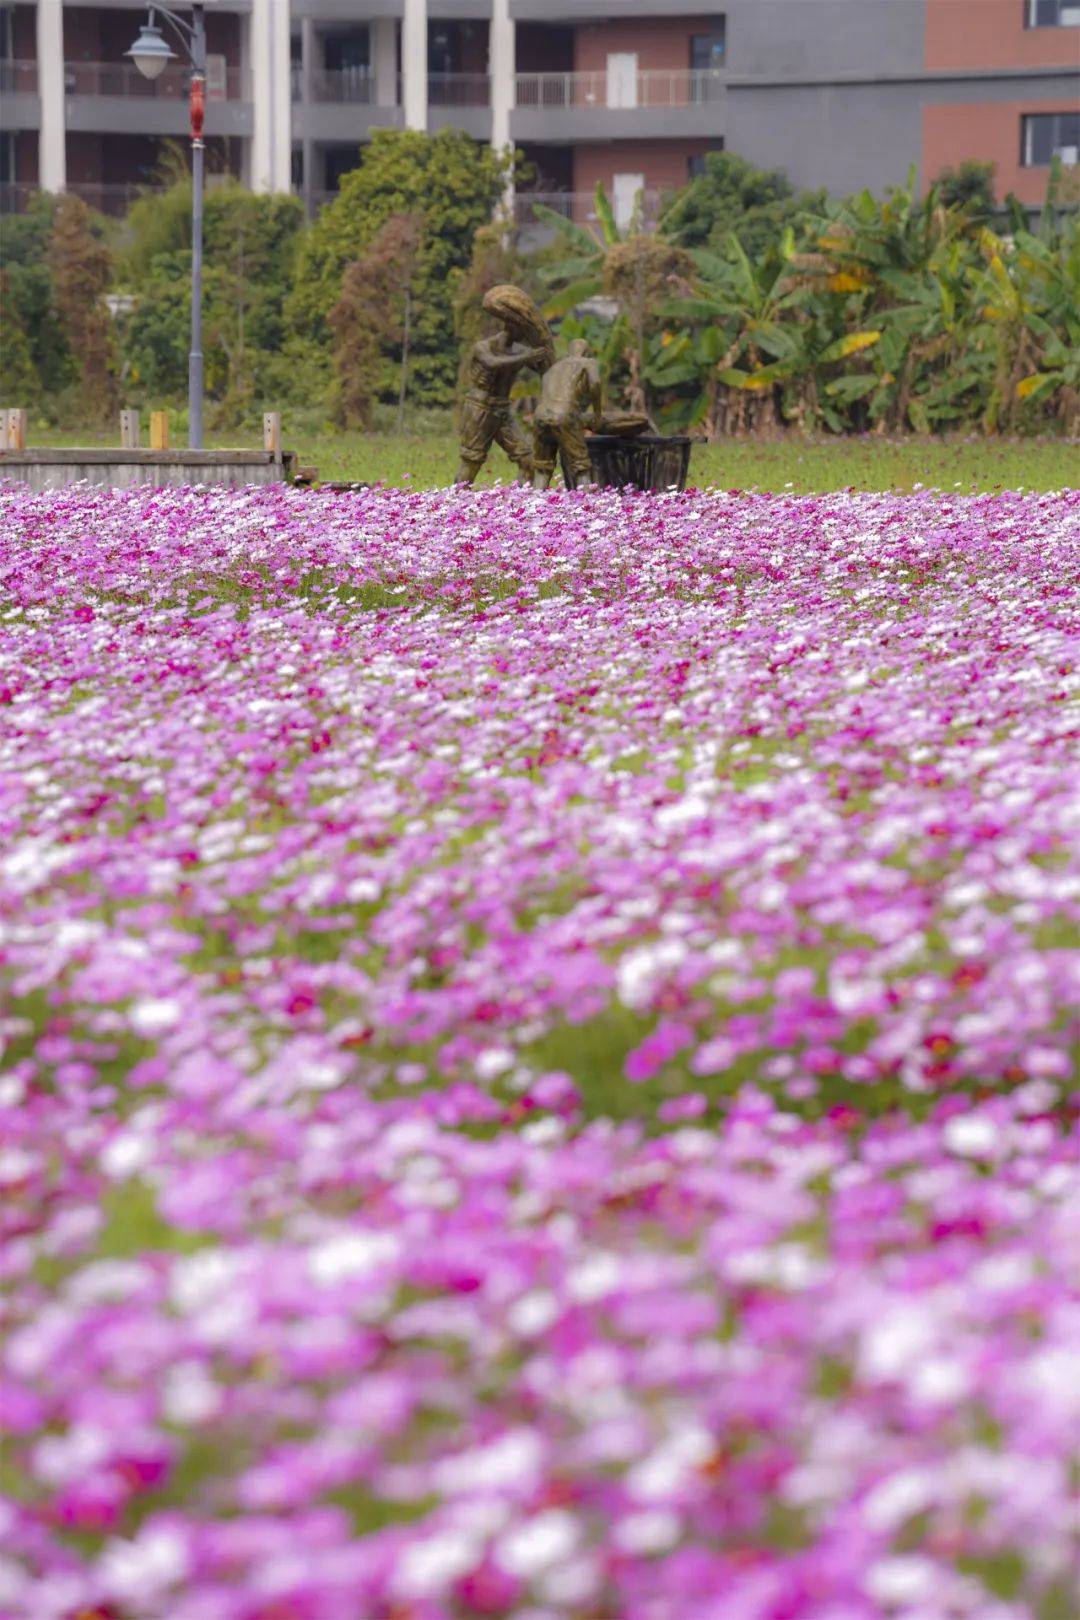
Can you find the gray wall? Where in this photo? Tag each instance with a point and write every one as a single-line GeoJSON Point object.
{"type": "Point", "coordinates": [846, 136]}
{"type": "Point", "coordinates": [841, 137]}
{"type": "Point", "coordinates": [786, 39]}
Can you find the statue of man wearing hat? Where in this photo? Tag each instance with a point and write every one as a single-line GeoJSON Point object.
{"type": "Point", "coordinates": [486, 416]}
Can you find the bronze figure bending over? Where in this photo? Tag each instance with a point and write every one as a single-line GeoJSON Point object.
{"type": "Point", "coordinates": [569, 399]}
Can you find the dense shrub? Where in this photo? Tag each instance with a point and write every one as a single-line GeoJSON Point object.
{"type": "Point", "coordinates": [448, 179]}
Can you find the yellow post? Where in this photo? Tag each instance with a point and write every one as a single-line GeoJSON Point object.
{"type": "Point", "coordinates": [159, 430]}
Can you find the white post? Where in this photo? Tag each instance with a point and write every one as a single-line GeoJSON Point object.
{"type": "Point", "coordinates": [281, 78]}
{"type": "Point", "coordinates": [262, 102]}
{"type": "Point", "coordinates": [384, 60]}
{"type": "Point", "coordinates": [414, 63]}
{"type": "Point", "coordinates": [501, 67]}
{"type": "Point", "coordinates": [52, 153]}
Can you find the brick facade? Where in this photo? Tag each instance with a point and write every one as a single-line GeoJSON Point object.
{"type": "Point", "coordinates": [659, 42]}
{"type": "Point", "coordinates": [969, 35]}
{"type": "Point", "coordinates": [665, 165]}
{"type": "Point", "coordinates": [988, 132]}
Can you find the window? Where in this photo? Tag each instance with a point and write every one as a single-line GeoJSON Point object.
{"type": "Point", "coordinates": [696, 164]}
{"type": "Point", "coordinates": [1052, 13]}
{"type": "Point", "coordinates": [1044, 136]}
{"type": "Point", "coordinates": [708, 51]}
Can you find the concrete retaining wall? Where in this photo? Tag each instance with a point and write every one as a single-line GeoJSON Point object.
{"type": "Point", "coordinates": [124, 469]}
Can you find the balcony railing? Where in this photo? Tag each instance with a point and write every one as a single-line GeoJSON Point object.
{"type": "Point", "coordinates": [352, 86]}
{"type": "Point", "coordinates": [15, 196]}
{"type": "Point", "coordinates": [688, 87]}
{"type": "Point", "coordinates": [223, 81]}
{"type": "Point", "coordinates": [18, 78]}
{"type": "Point", "coordinates": [115, 200]}
{"type": "Point", "coordinates": [459, 90]}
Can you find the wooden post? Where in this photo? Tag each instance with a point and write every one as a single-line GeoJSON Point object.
{"type": "Point", "coordinates": [129, 430]}
{"type": "Point", "coordinates": [13, 423]}
{"type": "Point", "coordinates": [159, 430]}
{"type": "Point", "coordinates": [272, 433]}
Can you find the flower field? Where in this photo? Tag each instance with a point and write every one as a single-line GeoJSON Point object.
{"type": "Point", "coordinates": [539, 1056]}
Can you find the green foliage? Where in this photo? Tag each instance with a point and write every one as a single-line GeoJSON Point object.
{"type": "Point", "coordinates": [627, 275]}
{"type": "Point", "coordinates": [29, 300]}
{"type": "Point", "coordinates": [18, 379]}
{"type": "Point", "coordinates": [970, 186]}
{"type": "Point", "coordinates": [887, 314]}
{"type": "Point", "coordinates": [81, 269]}
{"type": "Point", "coordinates": [372, 316]}
{"type": "Point", "coordinates": [249, 249]}
{"type": "Point", "coordinates": [449, 179]}
{"type": "Point", "coordinates": [731, 195]}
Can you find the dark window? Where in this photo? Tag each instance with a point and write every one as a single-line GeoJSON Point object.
{"type": "Point", "coordinates": [708, 51]}
{"type": "Point", "coordinates": [347, 53]}
{"type": "Point", "coordinates": [1044, 136]}
{"type": "Point", "coordinates": [1052, 13]}
{"type": "Point", "coordinates": [696, 164]}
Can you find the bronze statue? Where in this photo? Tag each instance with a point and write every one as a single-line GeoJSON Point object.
{"type": "Point", "coordinates": [487, 416]}
{"type": "Point", "coordinates": [569, 398]}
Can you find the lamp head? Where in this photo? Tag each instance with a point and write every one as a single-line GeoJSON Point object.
{"type": "Point", "coordinates": [150, 53]}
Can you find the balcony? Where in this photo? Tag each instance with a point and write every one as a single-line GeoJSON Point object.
{"type": "Point", "coordinates": [19, 104]}
{"type": "Point", "coordinates": [459, 90]}
{"type": "Point", "coordinates": [649, 88]}
{"type": "Point", "coordinates": [462, 100]}
{"type": "Point", "coordinates": [18, 78]}
{"type": "Point", "coordinates": [115, 200]}
{"type": "Point", "coordinates": [575, 106]}
{"type": "Point", "coordinates": [123, 79]}
{"type": "Point", "coordinates": [114, 98]}
{"type": "Point", "coordinates": [340, 87]}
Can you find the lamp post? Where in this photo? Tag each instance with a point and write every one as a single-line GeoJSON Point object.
{"type": "Point", "coordinates": [151, 55]}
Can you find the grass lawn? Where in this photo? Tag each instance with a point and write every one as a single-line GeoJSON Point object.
{"type": "Point", "coordinates": [805, 466]}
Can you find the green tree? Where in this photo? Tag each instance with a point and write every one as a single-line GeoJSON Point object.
{"type": "Point", "coordinates": [373, 315]}
{"type": "Point", "coordinates": [29, 295]}
{"type": "Point", "coordinates": [250, 244]}
{"type": "Point", "coordinates": [19, 382]}
{"type": "Point", "coordinates": [731, 195]}
{"type": "Point", "coordinates": [627, 272]}
{"type": "Point", "coordinates": [454, 184]}
{"type": "Point", "coordinates": [971, 186]}
{"type": "Point", "coordinates": [81, 267]}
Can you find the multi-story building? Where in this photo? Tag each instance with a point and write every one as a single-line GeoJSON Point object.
{"type": "Point", "coordinates": [840, 93]}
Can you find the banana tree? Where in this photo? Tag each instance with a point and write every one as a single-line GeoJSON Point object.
{"type": "Point", "coordinates": [1030, 300]}
{"type": "Point", "coordinates": [632, 271]}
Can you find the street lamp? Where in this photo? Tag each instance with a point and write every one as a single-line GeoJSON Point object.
{"type": "Point", "coordinates": [151, 55]}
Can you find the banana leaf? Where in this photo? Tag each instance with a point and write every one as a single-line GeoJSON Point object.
{"type": "Point", "coordinates": [851, 343]}
{"type": "Point", "coordinates": [577, 293]}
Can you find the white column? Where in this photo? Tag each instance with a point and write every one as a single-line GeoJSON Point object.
{"type": "Point", "coordinates": [307, 79]}
{"type": "Point", "coordinates": [247, 162]}
{"type": "Point", "coordinates": [281, 78]}
{"type": "Point", "coordinates": [414, 63]}
{"type": "Point", "coordinates": [384, 60]}
{"type": "Point", "coordinates": [262, 95]}
{"type": "Point", "coordinates": [501, 67]}
{"type": "Point", "coordinates": [52, 154]}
